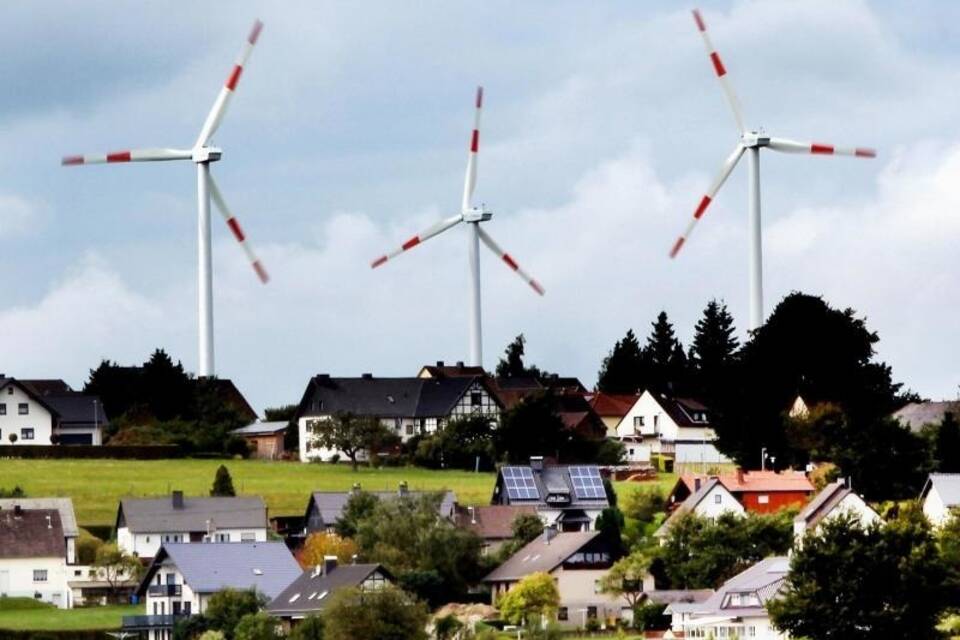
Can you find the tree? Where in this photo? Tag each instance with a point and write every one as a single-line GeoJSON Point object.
{"type": "Point", "coordinates": [211, 634]}
{"type": "Point", "coordinates": [257, 626]}
{"type": "Point", "coordinates": [459, 444]}
{"type": "Point", "coordinates": [666, 357]}
{"type": "Point", "coordinates": [624, 370]}
{"type": "Point", "coordinates": [12, 438]}
{"type": "Point", "coordinates": [321, 544]}
{"type": "Point", "coordinates": [533, 427]}
{"type": "Point", "coordinates": [227, 607]}
{"type": "Point", "coordinates": [625, 578]}
{"type": "Point", "coordinates": [311, 628]}
{"type": "Point", "coordinates": [385, 614]}
{"type": "Point", "coordinates": [948, 539]}
{"type": "Point", "coordinates": [360, 506]}
{"type": "Point", "coordinates": [851, 582]}
{"type": "Point", "coordinates": [447, 627]}
{"type": "Point", "coordinates": [713, 352]}
{"type": "Point", "coordinates": [223, 483]}
{"type": "Point", "coordinates": [536, 595]}
{"type": "Point", "coordinates": [511, 364]}
{"type": "Point", "coordinates": [946, 449]}
{"type": "Point", "coordinates": [286, 413]}
{"type": "Point", "coordinates": [353, 435]}
{"type": "Point", "coordinates": [610, 524]}
{"type": "Point", "coordinates": [115, 567]}
{"type": "Point", "coordinates": [526, 528]}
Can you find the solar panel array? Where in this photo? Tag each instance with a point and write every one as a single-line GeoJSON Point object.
{"type": "Point", "coordinates": [587, 483]}
{"type": "Point", "coordinates": [520, 484]}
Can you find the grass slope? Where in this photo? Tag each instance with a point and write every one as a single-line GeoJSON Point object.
{"type": "Point", "coordinates": [49, 619]}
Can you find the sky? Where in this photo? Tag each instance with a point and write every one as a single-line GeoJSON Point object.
{"type": "Point", "coordinates": [603, 124]}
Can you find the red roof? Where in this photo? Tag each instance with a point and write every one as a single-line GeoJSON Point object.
{"type": "Point", "coordinates": [612, 404]}
{"type": "Point", "coordinates": [758, 481]}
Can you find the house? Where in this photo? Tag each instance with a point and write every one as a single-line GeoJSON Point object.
{"type": "Point", "coordinates": [711, 499]}
{"type": "Point", "coordinates": [443, 370]}
{"type": "Point", "coordinates": [33, 556]}
{"type": "Point", "coordinates": [265, 438]}
{"type": "Point", "coordinates": [309, 594]}
{"type": "Point", "coordinates": [48, 412]}
{"type": "Point", "coordinates": [675, 427]}
{"type": "Point", "coordinates": [940, 497]}
{"type": "Point", "coordinates": [577, 561]}
{"type": "Point", "coordinates": [491, 523]}
{"type": "Point", "coordinates": [324, 508]}
{"type": "Point", "coordinates": [917, 414]}
{"type": "Point", "coordinates": [407, 406]}
{"type": "Point", "coordinates": [64, 508]}
{"type": "Point", "coordinates": [611, 407]}
{"type": "Point", "coordinates": [738, 608]}
{"type": "Point", "coordinates": [567, 497]}
{"type": "Point", "coordinates": [837, 498]}
{"type": "Point", "coordinates": [758, 491]}
{"type": "Point", "coordinates": [144, 524]}
{"type": "Point", "coordinates": [227, 393]}
{"type": "Point", "coordinates": [182, 578]}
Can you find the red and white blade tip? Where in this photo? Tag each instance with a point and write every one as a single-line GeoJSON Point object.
{"type": "Point", "coordinates": [255, 32]}
{"type": "Point", "coordinates": [114, 156]}
{"type": "Point", "coordinates": [699, 20]}
{"type": "Point", "coordinates": [829, 150]}
{"type": "Point", "coordinates": [676, 246]}
{"type": "Point", "coordinates": [479, 97]}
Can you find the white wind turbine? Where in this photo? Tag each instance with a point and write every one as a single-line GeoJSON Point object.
{"type": "Point", "coordinates": [202, 155]}
{"type": "Point", "coordinates": [751, 142]}
{"type": "Point", "coordinates": [473, 216]}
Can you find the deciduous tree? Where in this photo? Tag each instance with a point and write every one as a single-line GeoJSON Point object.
{"type": "Point", "coordinates": [536, 595]}
{"type": "Point", "coordinates": [625, 577]}
{"type": "Point", "coordinates": [115, 567]}
{"type": "Point", "coordinates": [353, 435]}
{"type": "Point", "coordinates": [321, 544]}
{"type": "Point", "coordinates": [385, 614]}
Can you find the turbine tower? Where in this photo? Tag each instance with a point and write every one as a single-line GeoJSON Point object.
{"type": "Point", "coordinates": [201, 154]}
{"type": "Point", "coordinates": [473, 216]}
{"type": "Point", "coordinates": [750, 143]}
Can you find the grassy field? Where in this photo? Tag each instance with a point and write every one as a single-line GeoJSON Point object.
{"type": "Point", "coordinates": [51, 619]}
{"type": "Point", "coordinates": [97, 485]}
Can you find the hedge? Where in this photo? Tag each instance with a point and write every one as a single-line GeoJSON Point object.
{"type": "Point", "coordinates": [127, 452]}
{"type": "Point", "coordinates": [6, 634]}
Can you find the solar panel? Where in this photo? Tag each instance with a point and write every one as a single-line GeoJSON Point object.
{"type": "Point", "coordinates": [587, 483]}
{"type": "Point", "coordinates": [520, 484]}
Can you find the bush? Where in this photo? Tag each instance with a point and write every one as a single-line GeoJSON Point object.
{"type": "Point", "coordinates": [133, 452]}
{"type": "Point", "coordinates": [87, 547]}
{"type": "Point", "coordinates": [237, 446]}
{"type": "Point", "coordinates": [21, 604]}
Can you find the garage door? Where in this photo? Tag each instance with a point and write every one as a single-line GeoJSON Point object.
{"type": "Point", "coordinates": [76, 438]}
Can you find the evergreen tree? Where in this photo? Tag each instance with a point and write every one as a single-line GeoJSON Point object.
{"type": "Point", "coordinates": [947, 445]}
{"type": "Point", "coordinates": [223, 483]}
{"type": "Point", "coordinates": [511, 364]}
{"type": "Point", "coordinates": [166, 388]}
{"type": "Point", "coordinates": [713, 352]}
{"type": "Point", "coordinates": [666, 358]}
{"type": "Point", "coordinates": [624, 369]}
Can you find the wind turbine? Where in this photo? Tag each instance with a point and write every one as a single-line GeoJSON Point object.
{"type": "Point", "coordinates": [202, 155]}
{"type": "Point", "coordinates": [473, 216]}
{"type": "Point", "coordinates": [751, 142]}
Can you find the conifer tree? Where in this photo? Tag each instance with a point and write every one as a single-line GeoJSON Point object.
{"type": "Point", "coordinates": [713, 352]}
{"type": "Point", "coordinates": [624, 368]}
{"type": "Point", "coordinates": [223, 483]}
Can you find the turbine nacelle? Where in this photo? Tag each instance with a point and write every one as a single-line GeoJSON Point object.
{"type": "Point", "coordinates": [754, 140]}
{"type": "Point", "coordinates": [206, 154]}
{"type": "Point", "coordinates": [477, 214]}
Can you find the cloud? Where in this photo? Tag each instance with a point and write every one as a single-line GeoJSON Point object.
{"type": "Point", "coordinates": [19, 216]}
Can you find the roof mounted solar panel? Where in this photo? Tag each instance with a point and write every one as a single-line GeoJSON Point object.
{"type": "Point", "coordinates": [587, 483]}
{"type": "Point", "coordinates": [519, 483]}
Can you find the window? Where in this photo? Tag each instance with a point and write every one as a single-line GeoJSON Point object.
{"type": "Point", "coordinates": [409, 429]}
{"type": "Point", "coordinates": [476, 399]}
{"type": "Point", "coordinates": [717, 498]}
{"type": "Point", "coordinates": [23, 409]}
{"type": "Point", "coordinates": [3, 408]}
{"type": "Point", "coordinates": [172, 537]}
{"type": "Point", "coordinates": [562, 614]}
{"type": "Point", "coordinates": [763, 499]}
{"type": "Point", "coordinates": [223, 537]}
{"type": "Point", "coordinates": [10, 390]}
{"type": "Point", "coordinates": [248, 536]}
{"type": "Point", "coordinates": [39, 575]}
{"type": "Point", "coordinates": [26, 433]}
{"type": "Point", "coordinates": [656, 419]}
{"type": "Point", "coordinates": [591, 613]}
{"type": "Point", "coordinates": [638, 421]}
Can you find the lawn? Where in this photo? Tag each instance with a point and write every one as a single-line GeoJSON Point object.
{"type": "Point", "coordinates": [97, 485]}
{"type": "Point", "coordinates": [50, 619]}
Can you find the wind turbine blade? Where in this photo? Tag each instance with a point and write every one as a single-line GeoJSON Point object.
{"type": "Point", "coordinates": [817, 148]}
{"type": "Point", "coordinates": [133, 155]}
{"type": "Point", "coordinates": [223, 99]}
{"type": "Point", "coordinates": [470, 181]}
{"type": "Point", "coordinates": [421, 237]}
{"type": "Point", "coordinates": [720, 70]}
{"type": "Point", "coordinates": [238, 233]}
{"type": "Point", "coordinates": [508, 259]}
{"type": "Point", "coordinates": [725, 169]}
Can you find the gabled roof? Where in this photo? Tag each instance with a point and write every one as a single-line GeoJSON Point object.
{"type": "Point", "coordinates": [491, 522]}
{"type": "Point", "coordinates": [684, 412]}
{"type": "Point", "coordinates": [612, 404]}
{"type": "Point", "coordinates": [311, 592]}
{"type": "Point", "coordinates": [330, 504]}
{"type": "Point", "coordinates": [228, 393]}
{"type": "Point", "coordinates": [267, 567]}
{"type": "Point", "coordinates": [550, 479]}
{"type": "Point", "coordinates": [148, 515]}
{"type": "Point", "coordinates": [690, 504]}
{"type": "Point", "coordinates": [31, 533]}
{"type": "Point", "coordinates": [755, 481]}
{"type": "Point", "coordinates": [262, 428]}
{"type": "Point", "coordinates": [64, 506]}
{"type": "Point", "coordinates": [30, 391]}
{"type": "Point", "coordinates": [48, 386]}
{"type": "Point", "coordinates": [442, 370]}
{"type": "Point", "coordinates": [385, 397]}
{"type": "Point", "coordinates": [917, 414]}
{"type": "Point", "coordinates": [947, 485]}
{"type": "Point", "coordinates": [77, 409]}
{"type": "Point", "coordinates": [541, 555]}
{"type": "Point", "coordinates": [765, 580]}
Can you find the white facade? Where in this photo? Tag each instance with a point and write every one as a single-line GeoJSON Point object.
{"type": "Point", "coordinates": [552, 517]}
{"type": "Point", "coordinates": [718, 501]}
{"type": "Point", "coordinates": [43, 579]}
{"type": "Point", "coordinates": [851, 505]}
{"type": "Point", "coordinates": [146, 545]}
{"type": "Point", "coordinates": [22, 415]}
{"type": "Point", "coordinates": [650, 424]}
{"type": "Point", "coordinates": [746, 627]}
{"type": "Point", "coordinates": [935, 508]}
{"type": "Point", "coordinates": [169, 594]}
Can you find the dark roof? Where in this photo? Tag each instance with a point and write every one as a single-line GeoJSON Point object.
{"type": "Point", "coordinates": [52, 386]}
{"type": "Point", "coordinates": [491, 522]}
{"type": "Point", "coordinates": [917, 414]}
{"type": "Point", "coordinates": [77, 409]}
{"type": "Point", "coordinates": [550, 479]}
{"type": "Point", "coordinates": [683, 410]}
{"type": "Point", "coordinates": [64, 507]}
{"type": "Point", "coordinates": [330, 504]}
{"type": "Point", "coordinates": [228, 393]}
{"type": "Point", "coordinates": [33, 533]}
{"type": "Point", "coordinates": [442, 370]}
{"type": "Point", "coordinates": [311, 592]}
{"type": "Point", "coordinates": [209, 567]}
{"type": "Point", "coordinates": [823, 503]}
{"type": "Point", "coordinates": [385, 397]}
{"type": "Point", "coordinates": [145, 515]}
{"type": "Point", "coordinates": [262, 428]}
{"type": "Point", "coordinates": [541, 555]}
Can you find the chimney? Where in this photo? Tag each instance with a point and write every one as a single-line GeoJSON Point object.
{"type": "Point", "coordinates": [459, 364]}
{"type": "Point", "coordinates": [439, 364]}
{"type": "Point", "coordinates": [402, 489]}
{"type": "Point", "coordinates": [17, 510]}
{"type": "Point", "coordinates": [536, 463]}
{"type": "Point", "coordinates": [177, 498]}
{"type": "Point", "coordinates": [473, 514]}
{"type": "Point", "coordinates": [355, 489]}
{"type": "Point", "coordinates": [323, 377]}
{"type": "Point", "coordinates": [696, 485]}
{"type": "Point", "coordinates": [549, 533]}
{"type": "Point", "coordinates": [329, 564]}
{"type": "Point", "coordinates": [367, 376]}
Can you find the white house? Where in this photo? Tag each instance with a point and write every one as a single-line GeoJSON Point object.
{"type": "Point", "coordinates": [33, 556]}
{"type": "Point", "coordinates": [68, 521]}
{"type": "Point", "coordinates": [711, 499]}
{"type": "Point", "coordinates": [738, 607]}
{"type": "Point", "coordinates": [677, 427]}
{"type": "Point", "coordinates": [144, 524]}
{"type": "Point", "coordinates": [407, 406]}
{"type": "Point", "coordinates": [182, 578]}
{"type": "Point", "coordinates": [940, 497]}
{"type": "Point", "coordinates": [48, 412]}
{"type": "Point", "coordinates": [834, 500]}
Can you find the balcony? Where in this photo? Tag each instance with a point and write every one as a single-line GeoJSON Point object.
{"type": "Point", "coordinates": [164, 590]}
{"type": "Point", "coordinates": [145, 623]}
